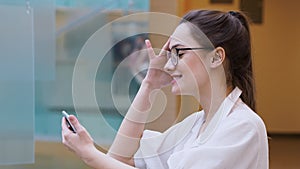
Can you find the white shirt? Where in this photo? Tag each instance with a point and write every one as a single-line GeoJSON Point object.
{"type": "Point", "coordinates": [235, 138]}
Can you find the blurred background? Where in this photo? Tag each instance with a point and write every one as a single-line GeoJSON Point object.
{"type": "Point", "coordinates": [40, 42]}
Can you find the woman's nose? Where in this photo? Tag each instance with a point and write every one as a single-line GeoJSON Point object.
{"type": "Point", "coordinates": [169, 66]}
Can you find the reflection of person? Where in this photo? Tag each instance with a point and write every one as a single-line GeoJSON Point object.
{"type": "Point", "coordinates": [225, 134]}
{"type": "Point", "coordinates": [138, 59]}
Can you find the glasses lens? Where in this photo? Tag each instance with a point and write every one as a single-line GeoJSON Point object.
{"type": "Point", "coordinates": [174, 57]}
{"type": "Point", "coordinates": [169, 55]}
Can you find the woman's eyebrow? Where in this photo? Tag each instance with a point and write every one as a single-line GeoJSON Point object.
{"type": "Point", "coordinates": [174, 46]}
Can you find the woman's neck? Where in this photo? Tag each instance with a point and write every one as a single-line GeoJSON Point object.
{"type": "Point", "coordinates": [211, 101]}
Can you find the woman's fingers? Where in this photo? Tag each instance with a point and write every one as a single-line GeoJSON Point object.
{"type": "Point", "coordinates": [63, 123]}
{"type": "Point", "coordinates": [64, 126]}
{"type": "Point", "coordinates": [165, 48]}
{"type": "Point", "coordinates": [80, 142]}
{"type": "Point", "coordinates": [74, 121]}
{"type": "Point", "coordinates": [65, 133]}
{"type": "Point", "coordinates": [80, 129]}
{"type": "Point", "coordinates": [150, 50]}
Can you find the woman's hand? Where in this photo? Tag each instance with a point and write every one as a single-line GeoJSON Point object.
{"type": "Point", "coordinates": [156, 76]}
{"type": "Point", "coordinates": [81, 143]}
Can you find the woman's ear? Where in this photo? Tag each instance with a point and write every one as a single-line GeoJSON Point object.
{"type": "Point", "coordinates": [218, 56]}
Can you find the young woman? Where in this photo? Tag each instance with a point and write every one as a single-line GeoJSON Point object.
{"type": "Point", "coordinates": [209, 57]}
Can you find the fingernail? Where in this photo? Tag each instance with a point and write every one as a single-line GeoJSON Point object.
{"type": "Point", "coordinates": [148, 44]}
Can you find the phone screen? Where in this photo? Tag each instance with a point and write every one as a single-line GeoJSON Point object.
{"type": "Point", "coordinates": [69, 124]}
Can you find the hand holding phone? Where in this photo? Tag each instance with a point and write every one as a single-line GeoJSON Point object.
{"type": "Point", "coordinates": [69, 124]}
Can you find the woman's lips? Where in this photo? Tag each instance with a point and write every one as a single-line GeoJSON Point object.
{"type": "Point", "coordinates": [175, 78]}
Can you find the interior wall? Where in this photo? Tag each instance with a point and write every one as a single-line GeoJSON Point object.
{"type": "Point", "coordinates": [168, 117]}
{"type": "Point", "coordinates": [276, 59]}
{"type": "Point", "coordinates": [277, 56]}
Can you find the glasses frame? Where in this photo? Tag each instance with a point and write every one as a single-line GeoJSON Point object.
{"type": "Point", "coordinates": [174, 58]}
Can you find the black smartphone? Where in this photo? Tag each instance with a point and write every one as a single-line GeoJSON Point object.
{"type": "Point", "coordinates": [69, 124]}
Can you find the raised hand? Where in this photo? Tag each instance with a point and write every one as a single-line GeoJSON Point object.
{"type": "Point", "coordinates": [156, 76]}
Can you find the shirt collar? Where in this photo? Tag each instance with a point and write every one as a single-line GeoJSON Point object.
{"type": "Point", "coordinates": [223, 110]}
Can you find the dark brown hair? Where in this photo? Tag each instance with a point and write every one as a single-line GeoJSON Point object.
{"type": "Point", "coordinates": [229, 30]}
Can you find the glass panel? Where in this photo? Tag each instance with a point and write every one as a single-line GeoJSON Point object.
{"type": "Point", "coordinates": [44, 39]}
{"type": "Point", "coordinates": [127, 5]}
{"type": "Point", "coordinates": [16, 84]}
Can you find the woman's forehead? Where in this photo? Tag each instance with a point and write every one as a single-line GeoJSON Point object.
{"type": "Point", "coordinates": [183, 36]}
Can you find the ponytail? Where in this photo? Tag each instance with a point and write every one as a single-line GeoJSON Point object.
{"type": "Point", "coordinates": [241, 66]}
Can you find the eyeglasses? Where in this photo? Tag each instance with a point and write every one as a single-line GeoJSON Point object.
{"type": "Point", "coordinates": [174, 53]}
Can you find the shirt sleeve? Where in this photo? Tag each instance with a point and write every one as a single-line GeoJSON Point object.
{"type": "Point", "coordinates": [236, 145]}
{"type": "Point", "coordinates": [138, 160]}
